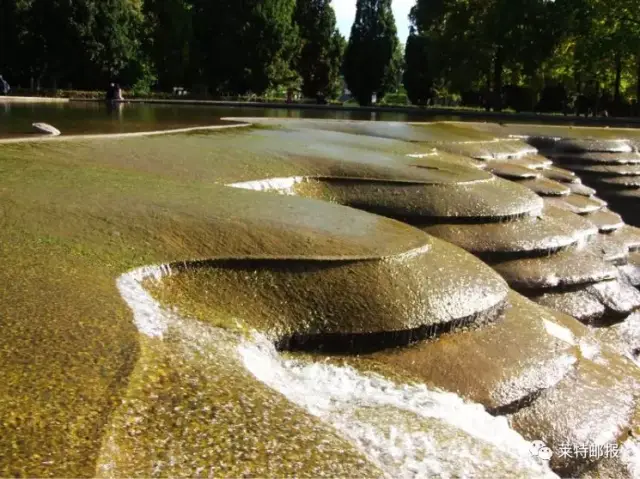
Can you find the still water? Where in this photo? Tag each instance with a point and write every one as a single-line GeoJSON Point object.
{"type": "Point", "coordinates": [89, 117]}
{"type": "Point", "coordinates": [97, 117]}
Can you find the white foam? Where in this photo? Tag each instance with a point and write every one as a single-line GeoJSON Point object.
{"type": "Point", "coordinates": [283, 186]}
{"type": "Point", "coordinates": [335, 394]}
{"type": "Point", "coordinates": [630, 456]}
{"type": "Point", "coordinates": [433, 152]}
{"type": "Point", "coordinates": [560, 332]}
{"type": "Point", "coordinates": [342, 397]}
{"type": "Point", "coordinates": [591, 350]}
{"type": "Point", "coordinates": [149, 317]}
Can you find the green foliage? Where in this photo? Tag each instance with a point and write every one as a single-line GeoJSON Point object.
{"type": "Point", "coordinates": [587, 46]}
{"type": "Point", "coordinates": [320, 56]}
{"type": "Point", "coordinates": [12, 31]}
{"type": "Point", "coordinates": [417, 76]}
{"type": "Point", "coordinates": [473, 42]}
{"type": "Point", "coordinates": [245, 46]}
{"type": "Point", "coordinates": [145, 79]}
{"type": "Point", "coordinates": [368, 62]}
{"type": "Point", "coordinates": [393, 76]}
{"type": "Point", "coordinates": [82, 42]}
{"type": "Point", "coordinates": [491, 52]}
{"type": "Point", "coordinates": [167, 40]}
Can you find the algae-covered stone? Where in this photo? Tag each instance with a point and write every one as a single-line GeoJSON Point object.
{"type": "Point", "coordinates": [433, 286]}
{"type": "Point", "coordinates": [619, 297]}
{"type": "Point", "coordinates": [579, 304]}
{"type": "Point", "coordinates": [546, 187]}
{"type": "Point", "coordinates": [510, 171]}
{"type": "Point", "coordinates": [606, 220]}
{"type": "Point", "coordinates": [549, 231]}
{"type": "Point", "coordinates": [533, 161]}
{"type": "Point", "coordinates": [592, 145]}
{"type": "Point", "coordinates": [621, 461]}
{"type": "Point", "coordinates": [624, 336]}
{"type": "Point", "coordinates": [193, 410]}
{"type": "Point", "coordinates": [560, 174]}
{"type": "Point", "coordinates": [612, 299]}
{"type": "Point", "coordinates": [631, 270]}
{"type": "Point", "coordinates": [587, 160]}
{"type": "Point", "coordinates": [580, 189]}
{"type": "Point", "coordinates": [496, 150]}
{"type": "Point", "coordinates": [571, 267]}
{"type": "Point", "coordinates": [593, 405]}
{"type": "Point", "coordinates": [607, 170]}
{"type": "Point", "coordinates": [497, 365]}
{"type": "Point", "coordinates": [491, 199]}
{"type": "Point", "coordinates": [629, 236]}
{"type": "Point", "coordinates": [610, 248]}
{"type": "Point", "coordinates": [577, 204]}
{"type": "Point", "coordinates": [622, 182]}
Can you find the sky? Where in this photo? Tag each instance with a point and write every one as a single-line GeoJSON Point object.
{"type": "Point", "coordinates": [346, 13]}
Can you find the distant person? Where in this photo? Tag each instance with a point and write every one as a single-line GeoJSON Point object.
{"type": "Point", "coordinates": [118, 93]}
{"type": "Point", "coordinates": [4, 87]}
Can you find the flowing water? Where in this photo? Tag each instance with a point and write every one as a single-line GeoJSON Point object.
{"type": "Point", "coordinates": [404, 430]}
{"type": "Point", "coordinates": [455, 371]}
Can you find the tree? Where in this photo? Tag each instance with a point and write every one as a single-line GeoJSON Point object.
{"type": "Point", "coordinates": [369, 53]}
{"type": "Point", "coordinates": [11, 34]}
{"type": "Point", "coordinates": [417, 76]}
{"type": "Point", "coordinates": [58, 38]}
{"type": "Point", "coordinates": [320, 56]}
{"type": "Point", "coordinates": [84, 42]}
{"type": "Point", "coordinates": [475, 41]}
{"type": "Point", "coordinates": [338, 47]}
{"type": "Point", "coordinates": [115, 37]}
{"type": "Point", "coordinates": [393, 76]}
{"type": "Point", "coordinates": [169, 34]}
{"type": "Point", "coordinates": [246, 46]}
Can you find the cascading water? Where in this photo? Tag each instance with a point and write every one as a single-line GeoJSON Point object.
{"type": "Point", "coordinates": [405, 430]}
{"type": "Point", "coordinates": [355, 404]}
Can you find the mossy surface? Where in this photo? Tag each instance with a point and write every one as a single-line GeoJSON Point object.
{"type": "Point", "coordinates": [192, 410]}
{"type": "Point", "coordinates": [76, 215]}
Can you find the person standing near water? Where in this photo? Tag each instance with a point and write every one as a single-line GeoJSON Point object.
{"type": "Point", "coordinates": [118, 93]}
{"type": "Point", "coordinates": [4, 87]}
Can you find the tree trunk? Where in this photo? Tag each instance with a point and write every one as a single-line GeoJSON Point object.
{"type": "Point", "coordinates": [616, 96]}
{"type": "Point", "coordinates": [497, 79]}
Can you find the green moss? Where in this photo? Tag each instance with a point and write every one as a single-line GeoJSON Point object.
{"type": "Point", "coordinates": [76, 215]}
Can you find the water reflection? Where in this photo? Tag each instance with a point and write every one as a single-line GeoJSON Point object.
{"type": "Point", "coordinates": [114, 110]}
{"type": "Point", "coordinates": [87, 117]}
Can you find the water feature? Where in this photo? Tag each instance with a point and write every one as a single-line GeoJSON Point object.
{"type": "Point", "coordinates": [89, 117]}
{"type": "Point", "coordinates": [264, 298]}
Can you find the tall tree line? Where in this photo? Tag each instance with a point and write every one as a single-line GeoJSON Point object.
{"type": "Point", "coordinates": [223, 46]}
{"type": "Point", "coordinates": [547, 55]}
{"type": "Point", "coordinates": [537, 54]}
